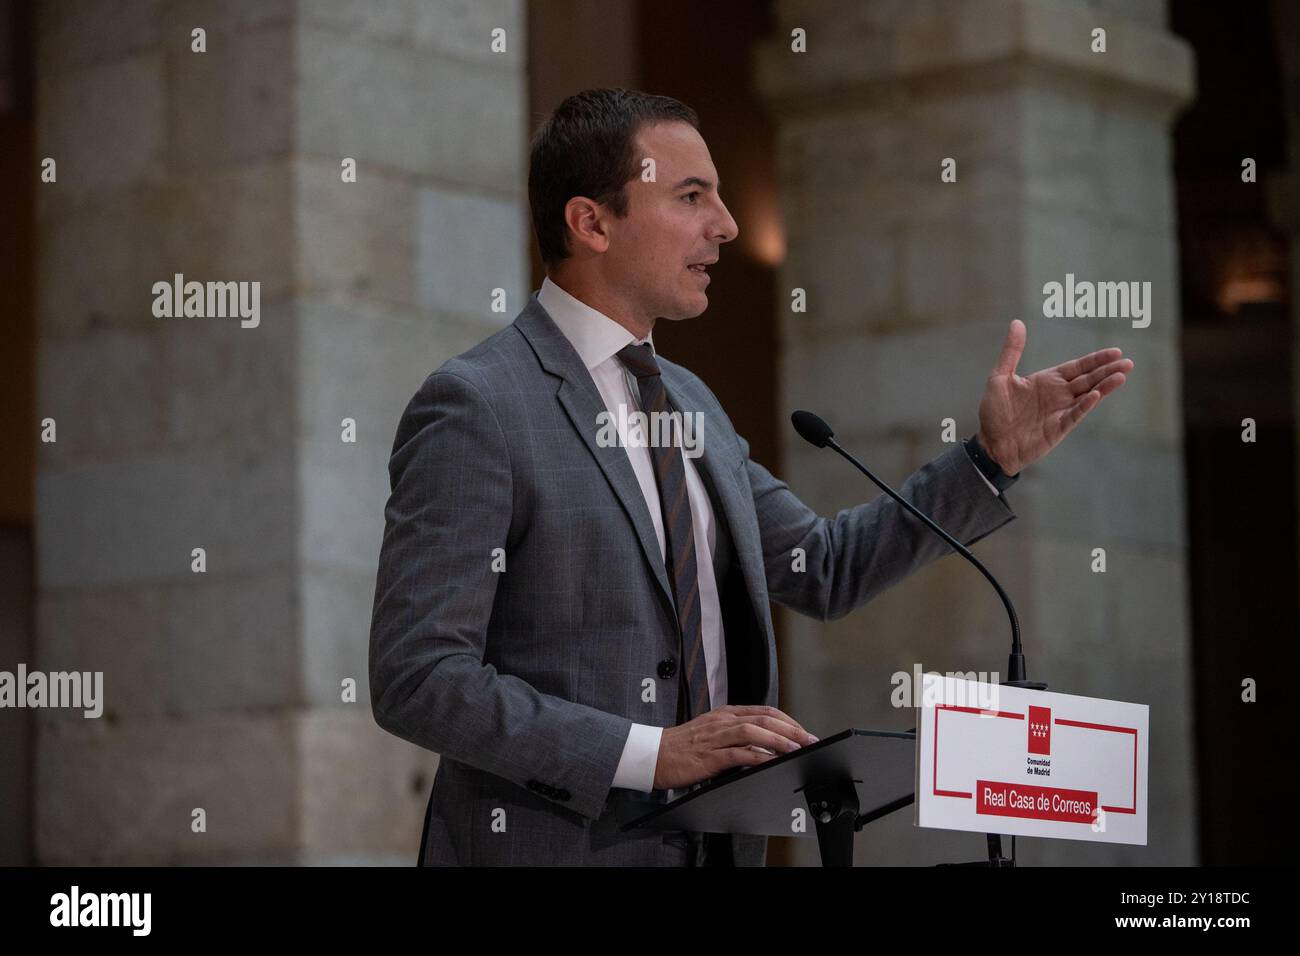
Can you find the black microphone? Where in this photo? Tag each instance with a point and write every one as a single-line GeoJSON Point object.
{"type": "Point", "coordinates": [812, 429]}
{"type": "Point", "coordinates": [816, 432]}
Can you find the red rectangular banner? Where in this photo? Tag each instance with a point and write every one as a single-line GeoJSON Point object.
{"type": "Point", "coordinates": [1037, 803]}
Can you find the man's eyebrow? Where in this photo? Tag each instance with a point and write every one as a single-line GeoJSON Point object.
{"type": "Point", "coordinates": [694, 181]}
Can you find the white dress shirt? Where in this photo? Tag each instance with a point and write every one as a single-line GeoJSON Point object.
{"type": "Point", "coordinates": [597, 339]}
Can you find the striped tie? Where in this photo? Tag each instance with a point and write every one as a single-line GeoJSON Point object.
{"type": "Point", "coordinates": [679, 534]}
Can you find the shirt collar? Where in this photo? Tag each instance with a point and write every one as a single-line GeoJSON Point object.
{"type": "Point", "coordinates": [594, 336]}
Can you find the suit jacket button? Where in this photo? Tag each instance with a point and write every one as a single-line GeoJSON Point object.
{"type": "Point", "coordinates": [562, 794]}
{"type": "Point", "coordinates": [667, 668]}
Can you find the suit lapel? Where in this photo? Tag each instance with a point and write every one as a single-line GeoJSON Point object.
{"type": "Point", "coordinates": [581, 401]}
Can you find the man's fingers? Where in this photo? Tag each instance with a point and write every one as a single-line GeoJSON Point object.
{"type": "Point", "coordinates": [1075, 367]}
{"type": "Point", "coordinates": [744, 734]}
{"type": "Point", "coordinates": [758, 709]}
{"type": "Point", "coordinates": [1087, 382]}
{"type": "Point", "coordinates": [1012, 348]}
{"type": "Point", "coordinates": [1083, 406]}
{"type": "Point", "coordinates": [784, 728]}
{"type": "Point", "coordinates": [742, 757]}
{"type": "Point", "coordinates": [1110, 383]}
{"type": "Point", "coordinates": [781, 722]}
{"type": "Point", "coordinates": [773, 720]}
{"type": "Point", "coordinates": [762, 710]}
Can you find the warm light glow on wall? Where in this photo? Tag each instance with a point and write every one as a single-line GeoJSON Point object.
{"type": "Point", "coordinates": [761, 232]}
{"type": "Point", "coordinates": [1240, 290]}
{"type": "Point", "coordinates": [1252, 273]}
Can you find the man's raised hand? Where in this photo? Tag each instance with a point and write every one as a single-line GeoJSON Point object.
{"type": "Point", "coordinates": [1022, 419]}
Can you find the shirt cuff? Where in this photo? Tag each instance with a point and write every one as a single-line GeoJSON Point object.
{"type": "Point", "coordinates": [992, 487]}
{"type": "Point", "coordinates": [636, 768]}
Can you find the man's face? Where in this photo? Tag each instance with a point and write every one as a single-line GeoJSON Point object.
{"type": "Point", "coordinates": [672, 225]}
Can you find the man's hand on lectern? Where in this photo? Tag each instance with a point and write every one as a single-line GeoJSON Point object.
{"type": "Point", "coordinates": [1022, 419]}
{"type": "Point", "coordinates": [737, 735]}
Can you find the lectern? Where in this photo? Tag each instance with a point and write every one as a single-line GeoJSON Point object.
{"type": "Point", "coordinates": [831, 782]}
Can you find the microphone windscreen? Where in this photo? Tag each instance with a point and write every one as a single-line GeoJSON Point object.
{"type": "Point", "coordinates": [811, 428]}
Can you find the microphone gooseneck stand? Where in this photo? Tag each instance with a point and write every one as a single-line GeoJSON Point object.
{"type": "Point", "coordinates": [816, 432]}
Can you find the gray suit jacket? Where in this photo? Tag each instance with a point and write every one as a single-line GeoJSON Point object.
{"type": "Point", "coordinates": [526, 680]}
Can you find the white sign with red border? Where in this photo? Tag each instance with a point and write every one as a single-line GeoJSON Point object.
{"type": "Point", "coordinates": [997, 759]}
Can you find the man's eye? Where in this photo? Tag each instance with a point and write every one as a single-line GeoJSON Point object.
{"type": "Point", "coordinates": [691, 196]}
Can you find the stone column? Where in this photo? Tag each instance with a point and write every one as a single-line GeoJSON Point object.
{"type": "Point", "coordinates": [1062, 166]}
{"type": "Point", "coordinates": [224, 690]}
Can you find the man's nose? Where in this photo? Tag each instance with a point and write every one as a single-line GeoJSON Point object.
{"type": "Point", "coordinates": [725, 228]}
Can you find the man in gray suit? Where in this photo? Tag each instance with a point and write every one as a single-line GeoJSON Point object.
{"type": "Point", "coordinates": [572, 604]}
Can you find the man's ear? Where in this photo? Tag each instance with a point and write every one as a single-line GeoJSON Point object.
{"type": "Point", "coordinates": [585, 219]}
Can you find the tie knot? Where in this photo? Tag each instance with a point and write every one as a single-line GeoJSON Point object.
{"type": "Point", "coordinates": [639, 359]}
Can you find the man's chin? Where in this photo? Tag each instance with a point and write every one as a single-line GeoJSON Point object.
{"type": "Point", "coordinates": [694, 306]}
{"type": "Point", "coordinates": [686, 307]}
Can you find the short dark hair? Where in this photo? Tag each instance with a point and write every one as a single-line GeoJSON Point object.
{"type": "Point", "coordinates": [587, 148]}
